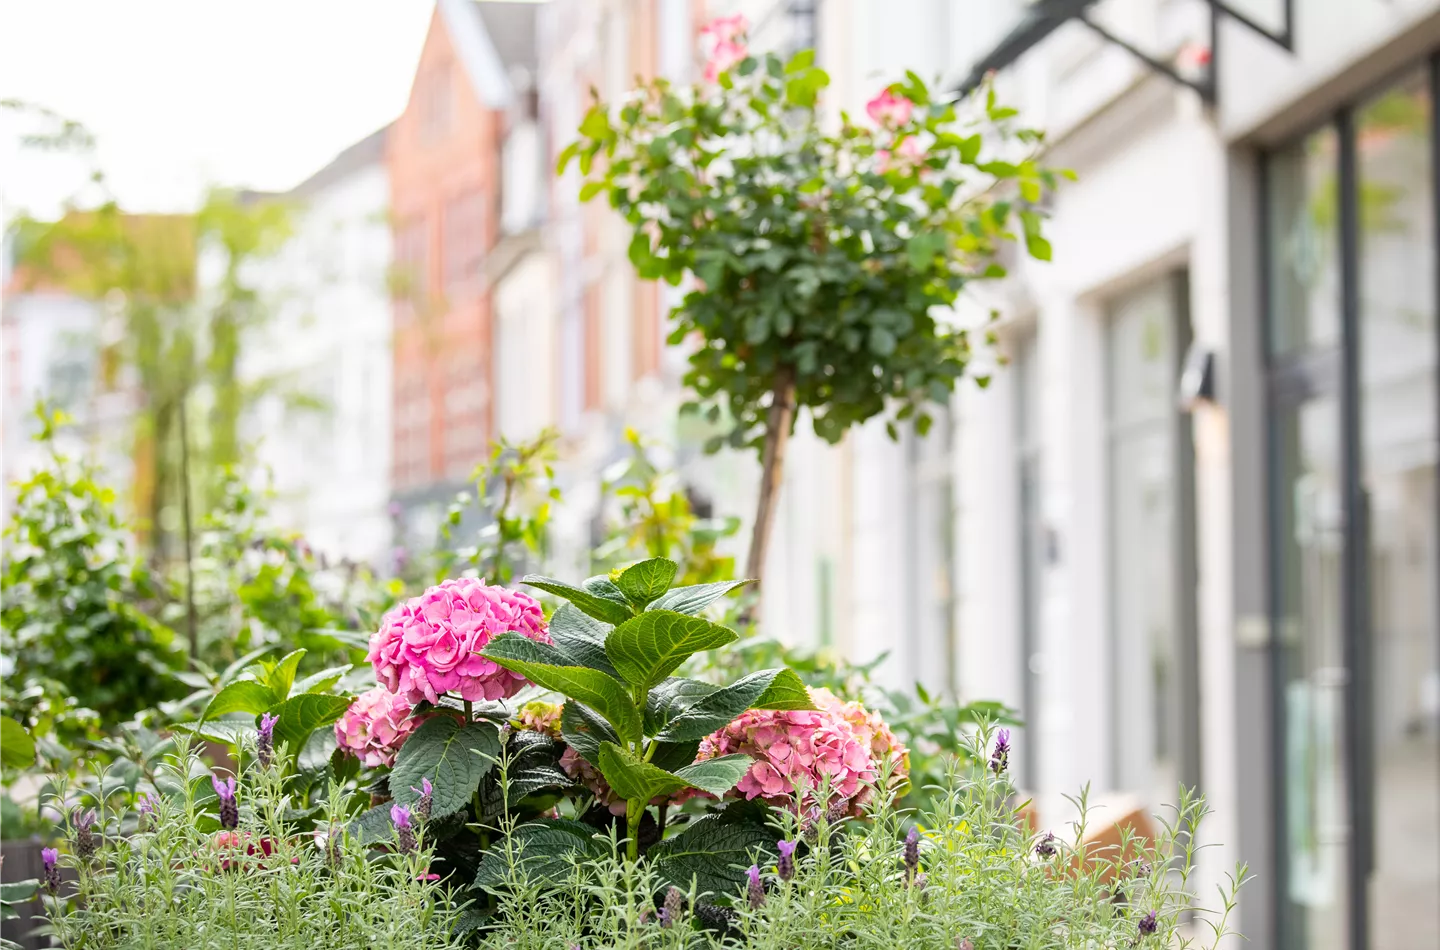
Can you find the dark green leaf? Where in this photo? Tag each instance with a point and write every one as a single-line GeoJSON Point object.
{"type": "Point", "coordinates": [601, 608]}
{"type": "Point", "coordinates": [548, 667]}
{"type": "Point", "coordinates": [282, 677]}
{"type": "Point", "coordinates": [712, 854]}
{"type": "Point", "coordinates": [543, 851]}
{"type": "Point", "coordinates": [648, 648]}
{"type": "Point", "coordinates": [716, 776]}
{"type": "Point", "coordinates": [584, 730]}
{"type": "Point", "coordinates": [643, 582]}
{"type": "Point", "coordinates": [718, 709]}
{"type": "Point", "coordinates": [669, 698]}
{"type": "Point", "coordinates": [581, 638]}
{"type": "Point", "coordinates": [452, 755]}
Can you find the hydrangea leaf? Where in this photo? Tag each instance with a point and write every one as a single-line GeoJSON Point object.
{"type": "Point", "coordinates": [543, 851]}
{"type": "Point", "coordinates": [601, 608]}
{"type": "Point", "coordinates": [667, 700]}
{"type": "Point", "coordinates": [581, 638]}
{"type": "Point", "coordinates": [643, 582]}
{"type": "Point", "coordinates": [718, 709]}
{"type": "Point", "coordinates": [632, 778]}
{"type": "Point", "coordinates": [648, 648]}
{"type": "Point", "coordinates": [534, 767]}
{"type": "Point", "coordinates": [245, 696]}
{"type": "Point", "coordinates": [694, 598]}
{"type": "Point", "coordinates": [453, 755]}
{"type": "Point", "coordinates": [716, 776]}
{"type": "Point", "coordinates": [583, 731]}
{"type": "Point", "coordinates": [17, 748]}
{"type": "Point", "coordinates": [548, 667]}
{"type": "Point", "coordinates": [713, 854]}
{"type": "Point", "coordinates": [281, 676]}
{"type": "Point", "coordinates": [303, 714]}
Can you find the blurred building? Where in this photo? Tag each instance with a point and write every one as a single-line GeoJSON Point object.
{"type": "Point", "coordinates": [320, 363]}
{"type": "Point", "coordinates": [466, 201]}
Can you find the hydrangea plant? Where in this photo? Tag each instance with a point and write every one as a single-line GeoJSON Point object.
{"type": "Point", "coordinates": [824, 254]}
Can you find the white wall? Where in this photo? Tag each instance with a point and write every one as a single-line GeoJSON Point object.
{"type": "Point", "coordinates": [329, 341]}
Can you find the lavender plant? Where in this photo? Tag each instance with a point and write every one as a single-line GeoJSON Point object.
{"type": "Point", "coordinates": [968, 873]}
{"type": "Point", "coordinates": [173, 881]}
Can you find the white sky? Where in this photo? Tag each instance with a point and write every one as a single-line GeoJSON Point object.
{"type": "Point", "coordinates": [181, 94]}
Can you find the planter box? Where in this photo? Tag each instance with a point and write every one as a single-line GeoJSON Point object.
{"type": "Point", "coordinates": [22, 862]}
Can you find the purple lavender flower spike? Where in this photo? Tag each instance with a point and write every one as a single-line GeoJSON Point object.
{"type": "Point", "coordinates": [1045, 847]}
{"type": "Point", "coordinates": [229, 808]}
{"type": "Point", "coordinates": [1000, 758]}
{"type": "Point", "coordinates": [265, 740]}
{"type": "Point", "coordinates": [427, 799]}
{"type": "Point", "coordinates": [85, 838]}
{"type": "Point", "coordinates": [51, 857]}
{"type": "Point", "coordinates": [756, 890]}
{"type": "Point", "coordinates": [912, 853]}
{"type": "Point", "coordinates": [404, 830]}
{"type": "Point", "coordinates": [786, 865]}
{"type": "Point", "coordinates": [1149, 924]}
{"type": "Point", "coordinates": [674, 905]}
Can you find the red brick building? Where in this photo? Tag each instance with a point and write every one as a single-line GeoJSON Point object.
{"type": "Point", "coordinates": [474, 84]}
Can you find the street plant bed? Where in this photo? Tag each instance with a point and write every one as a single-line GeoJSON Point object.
{"type": "Point", "coordinates": [647, 809]}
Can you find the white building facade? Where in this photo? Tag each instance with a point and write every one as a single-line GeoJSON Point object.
{"type": "Point", "coordinates": [321, 433]}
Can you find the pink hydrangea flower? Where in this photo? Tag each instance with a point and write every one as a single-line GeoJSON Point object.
{"type": "Point", "coordinates": [375, 726]}
{"type": "Point", "coordinates": [429, 645]}
{"type": "Point", "coordinates": [798, 751]}
{"type": "Point", "coordinates": [889, 109]}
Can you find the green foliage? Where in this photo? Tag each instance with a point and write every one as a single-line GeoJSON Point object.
{"type": "Point", "coordinates": [824, 256]}
{"type": "Point", "coordinates": [624, 708]}
{"type": "Point", "coordinates": [514, 492]}
{"type": "Point", "coordinates": [169, 881]}
{"type": "Point", "coordinates": [656, 519]}
{"type": "Point", "coordinates": [454, 755]}
{"type": "Point", "coordinates": [981, 878]}
{"type": "Point", "coordinates": [78, 606]}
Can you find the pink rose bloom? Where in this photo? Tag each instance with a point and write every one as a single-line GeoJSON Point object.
{"type": "Point", "coordinates": [727, 28]}
{"type": "Point", "coordinates": [798, 751]}
{"type": "Point", "coordinates": [726, 54]}
{"type": "Point", "coordinates": [375, 726]}
{"type": "Point", "coordinates": [429, 645]}
{"type": "Point", "coordinates": [908, 153]}
{"type": "Point", "coordinates": [889, 109]}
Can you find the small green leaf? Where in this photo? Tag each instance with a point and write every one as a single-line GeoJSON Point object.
{"type": "Point", "coordinates": [452, 755]}
{"type": "Point", "coordinates": [245, 696]}
{"type": "Point", "coordinates": [596, 124]}
{"type": "Point", "coordinates": [303, 714]}
{"type": "Point", "coordinates": [322, 681]}
{"type": "Point", "coordinates": [643, 582]}
{"type": "Point", "coordinates": [601, 608]}
{"type": "Point", "coordinates": [282, 677]}
{"type": "Point", "coordinates": [583, 730]}
{"type": "Point", "coordinates": [716, 776]}
{"type": "Point", "coordinates": [695, 598]}
{"type": "Point", "coordinates": [633, 779]}
{"type": "Point", "coordinates": [17, 748]}
{"type": "Point", "coordinates": [548, 667]}
{"type": "Point", "coordinates": [1038, 247]}
{"type": "Point", "coordinates": [648, 648]}
{"type": "Point", "coordinates": [801, 61]}
{"type": "Point", "coordinates": [590, 189]}
{"type": "Point", "coordinates": [882, 341]}
{"type": "Point", "coordinates": [778, 688]}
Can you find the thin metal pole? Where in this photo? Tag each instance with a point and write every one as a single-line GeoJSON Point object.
{"type": "Point", "coordinates": [1355, 644]}
{"type": "Point", "coordinates": [191, 627]}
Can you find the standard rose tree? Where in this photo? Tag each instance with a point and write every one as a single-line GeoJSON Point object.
{"type": "Point", "coordinates": [823, 257]}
